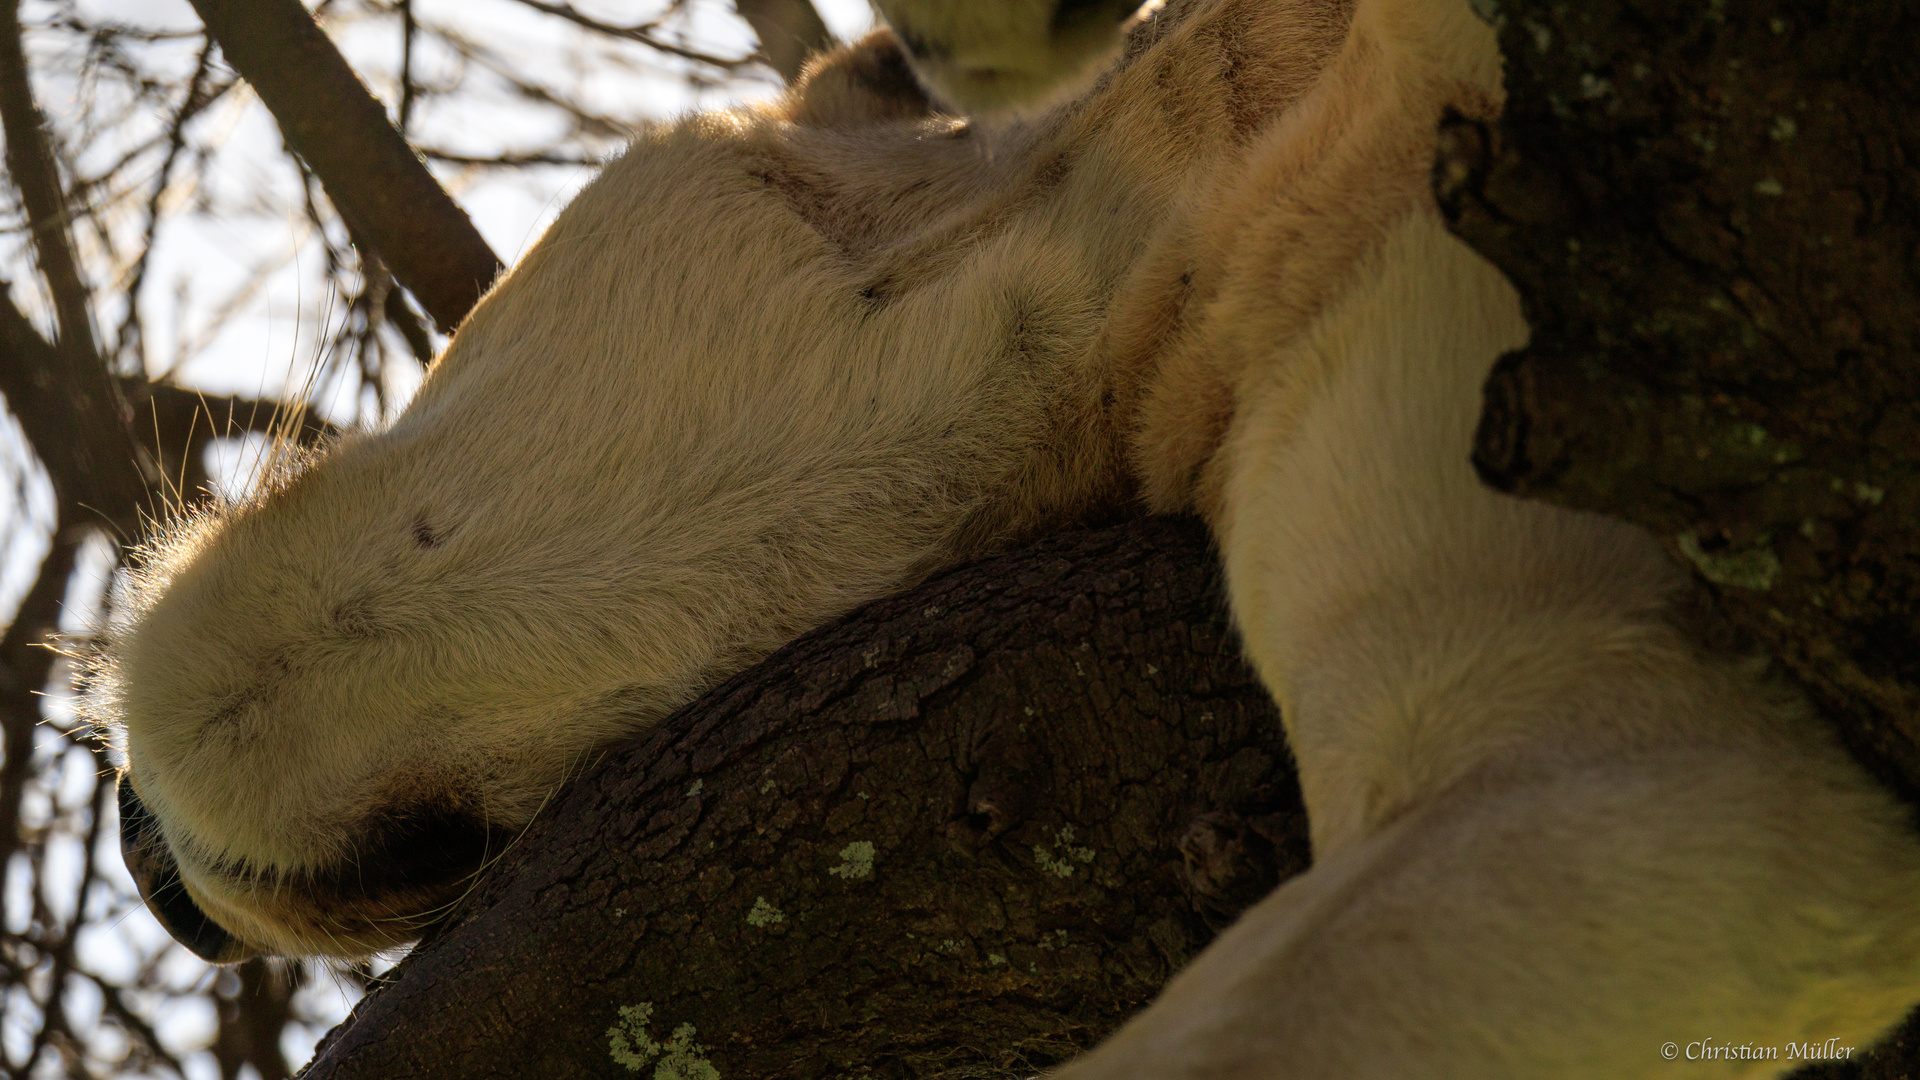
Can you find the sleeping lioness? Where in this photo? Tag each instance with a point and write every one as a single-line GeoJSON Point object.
{"type": "Point", "coordinates": [778, 361]}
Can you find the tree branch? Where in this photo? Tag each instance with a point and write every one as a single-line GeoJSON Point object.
{"type": "Point", "coordinates": [30, 163]}
{"type": "Point", "coordinates": [964, 831]}
{"type": "Point", "coordinates": [100, 467]}
{"type": "Point", "coordinates": [176, 424]}
{"type": "Point", "coordinates": [641, 34]}
{"type": "Point", "coordinates": [25, 661]}
{"type": "Point", "coordinates": [789, 30]}
{"type": "Point", "coordinates": [373, 178]}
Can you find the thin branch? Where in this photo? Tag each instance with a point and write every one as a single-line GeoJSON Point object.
{"type": "Point", "coordinates": [510, 160]}
{"type": "Point", "coordinates": [24, 665]}
{"type": "Point", "coordinates": [504, 68]}
{"type": "Point", "coordinates": [642, 33]}
{"type": "Point", "coordinates": [54, 1022]}
{"type": "Point", "coordinates": [130, 328]}
{"type": "Point", "coordinates": [133, 1023]}
{"type": "Point", "coordinates": [409, 30]}
{"type": "Point", "coordinates": [177, 424]}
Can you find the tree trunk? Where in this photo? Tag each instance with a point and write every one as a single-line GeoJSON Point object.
{"type": "Point", "coordinates": [1713, 213]}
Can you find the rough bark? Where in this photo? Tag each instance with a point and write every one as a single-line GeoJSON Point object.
{"type": "Point", "coordinates": [380, 187]}
{"type": "Point", "coordinates": [1713, 212]}
{"type": "Point", "coordinates": [1069, 781]}
{"type": "Point", "coordinates": [1066, 776]}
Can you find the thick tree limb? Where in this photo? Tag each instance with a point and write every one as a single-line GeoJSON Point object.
{"type": "Point", "coordinates": [1713, 216]}
{"type": "Point", "coordinates": [1068, 780]}
{"type": "Point", "coordinates": [789, 32]}
{"type": "Point", "coordinates": [373, 178]}
{"type": "Point", "coordinates": [963, 832]}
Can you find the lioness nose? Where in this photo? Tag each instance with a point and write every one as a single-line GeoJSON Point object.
{"type": "Point", "coordinates": [158, 878]}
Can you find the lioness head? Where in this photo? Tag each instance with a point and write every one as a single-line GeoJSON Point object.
{"type": "Point", "coordinates": [678, 434]}
{"type": "Point", "coordinates": [755, 374]}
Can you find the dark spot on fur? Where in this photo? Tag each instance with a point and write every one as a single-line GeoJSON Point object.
{"type": "Point", "coordinates": [227, 722]}
{"type": "Point", "coordinates": [355, 619]}
{"type": "Point", "coordinates": [880, 292]}
{"type": "Point", "coordinates": [425, 536]}
{"type": "Point", "coordinates": [1052, 171]}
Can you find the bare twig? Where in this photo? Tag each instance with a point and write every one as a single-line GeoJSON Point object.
{"type": "Point", "coordinates": [130, 338]}
{"type": "Point", "coordinates": [585, 121]}
{"type": "Point", "coordinates": [510, 160]}
{"type": "Point", "coordinates": [409, 29]}
{"type": "Point", "coordinates": [178, 423]}
{"type": "Point", "coordinates": [642, 33]}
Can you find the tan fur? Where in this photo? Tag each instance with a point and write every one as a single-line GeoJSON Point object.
{"type": "Point", "coordinates": [1548, 836]}
{"type": "Point", "coordinates": [868, 82]}
{"type": "Point", "coordinates": [773, 363]}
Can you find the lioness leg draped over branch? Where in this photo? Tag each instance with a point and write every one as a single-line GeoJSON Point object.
{"type": "Point", "coordinates": [1549, 836]}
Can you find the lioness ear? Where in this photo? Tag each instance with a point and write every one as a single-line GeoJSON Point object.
{"type": "Point", "coordinates": [867, 82]}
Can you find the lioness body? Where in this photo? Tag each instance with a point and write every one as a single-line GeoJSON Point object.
{"type": "Point", "coordinates": [768, 366]}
